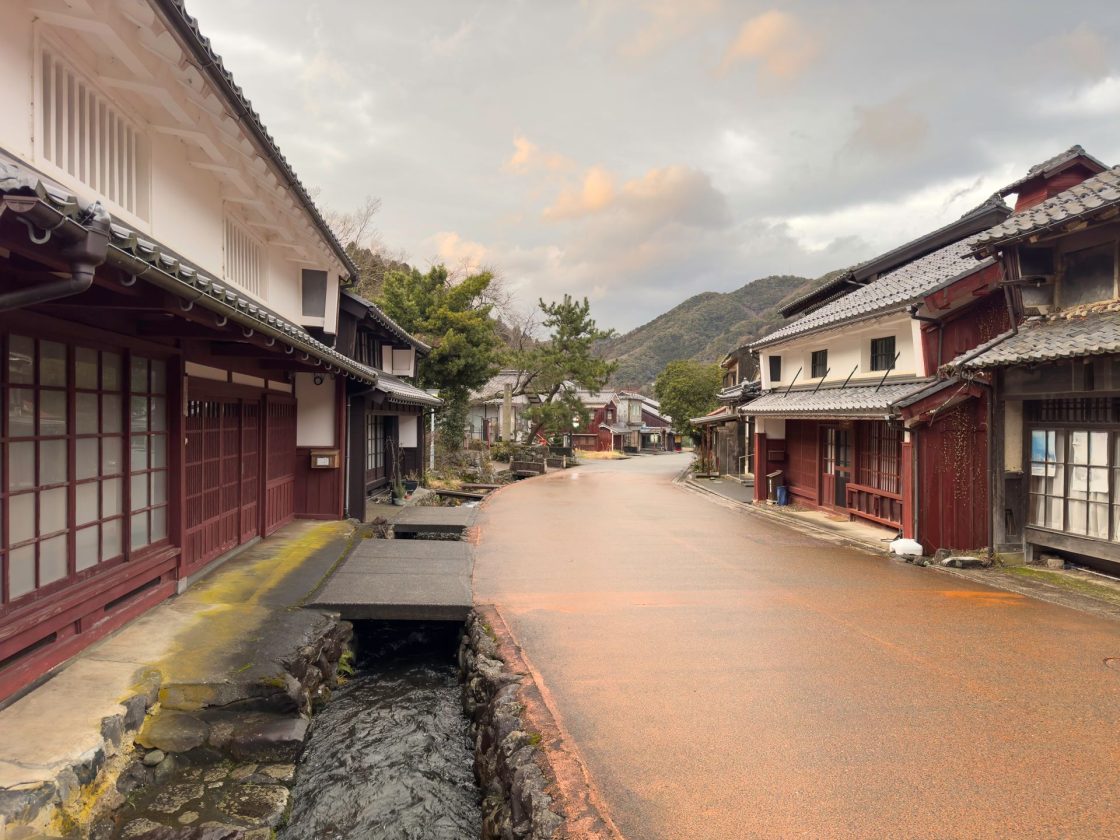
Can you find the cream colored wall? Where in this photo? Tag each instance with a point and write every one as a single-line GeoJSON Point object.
{"type": "Point", "coordinates": [315, 414]}
{"type": "Point", "coordinates": [848, 347]}
{"type": "Point", "coordinates": [187, 205]}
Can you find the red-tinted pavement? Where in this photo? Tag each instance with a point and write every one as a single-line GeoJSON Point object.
{"type": "Point", "coordinates": [725, 677]}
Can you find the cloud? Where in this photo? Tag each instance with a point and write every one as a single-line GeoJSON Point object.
{"type": "Point", "coordinates": [529, 157]}
{"type": "Point", "coordinates": [447, 45]}
{"type": "Point", "coordinates": [892, 128]}
{"type": "Point", "coordinates": [1087, 52]}
{"type": "Point", "coordinates": [458, 253]}
{"type": "Point", "coordinates": [776, 42]}
{"type": "Point", "coordinates": [594, 193]}
{"type": "Point", "coordinates": [667, 21]}
{"type": "Point", "coordinates": [1100, 99]}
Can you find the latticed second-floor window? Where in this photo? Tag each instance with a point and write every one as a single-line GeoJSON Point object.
{"type": "Point", "coordinates": [83, 134]}
{"type": "Point", "coordinates": [244, 258]}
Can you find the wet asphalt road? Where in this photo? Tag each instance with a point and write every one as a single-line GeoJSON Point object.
{"type": "Point", "coordinates": [724, 677]}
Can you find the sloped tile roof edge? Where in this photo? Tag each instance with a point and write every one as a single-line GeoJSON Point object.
{"type": "Point", "coordinates": [378, 314]}
{"type": "Point", "coordinates": [139, 256]}
{"type": "Point", "coordinates": [404, 393]}
{"type": "Point", "coordinates": [210, 63]}
{"type": "Point", "coordinates": [859, 402]}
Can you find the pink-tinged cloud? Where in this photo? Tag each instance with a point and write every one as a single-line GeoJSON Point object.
{"type": "Point", "coordinates": [528, 157]}
{"type": "Point", "coordinates": [596, 192]}
{"type": "Point", "coordinates": [667, 21]}
{"type": "Point", "coordinates": [776, 42]}
{"type": "Point", "coordinates": [460, 254]}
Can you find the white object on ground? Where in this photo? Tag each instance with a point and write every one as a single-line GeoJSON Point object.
{"type": "Point", "coordinates": [906, 548]}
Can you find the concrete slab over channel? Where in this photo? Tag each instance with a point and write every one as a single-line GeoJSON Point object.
{"type": "Point", "coordinates": [403, 580]}
{"type": "Point", "coordinates": [434, 520]}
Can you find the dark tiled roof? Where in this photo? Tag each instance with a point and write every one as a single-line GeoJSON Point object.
{"type": "Point", "coordinates": [211, 63]}
{"type": "Point", "coordinates": [891, 292]}
{"type": "Point", "coordinates": [865, 401]}
{"type": "Point", "coordinates": [720, 415]}
{"type": "Point", "coordinates": [740, 391]}
{"type": "Point", "coordinates": [1089, 198]}
{"type": "Point", "coordinates": [378, 315]}
{"type": "Point", "coordinates": [1053, 166]}
{"type": "Point", "coordinates": [138, 255]}
{"type": "Point", "coordinates": [1047, 339]}
{"type": "Point", "coordinates": [400, 391]}
{"type": "Point", "coordinates": [974, 221]}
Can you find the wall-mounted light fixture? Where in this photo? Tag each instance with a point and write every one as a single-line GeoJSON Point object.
{"type": "Point", "coordinates": [318, 379]}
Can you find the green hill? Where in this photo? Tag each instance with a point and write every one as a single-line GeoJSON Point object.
{"type": "Point", "coordinates": [705, 328]}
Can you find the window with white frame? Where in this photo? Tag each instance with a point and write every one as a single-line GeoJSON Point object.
{"type": "Point", "coordinates": [244, 259]}
{"type": "Point", "coordinates": [82, 133]}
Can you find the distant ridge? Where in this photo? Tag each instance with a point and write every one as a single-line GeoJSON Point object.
{"type": "Point", "coordinates": [704, 328]}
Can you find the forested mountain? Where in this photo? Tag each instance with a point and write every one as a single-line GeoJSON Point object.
{"type": "Point", "coordinates": [705, 328]}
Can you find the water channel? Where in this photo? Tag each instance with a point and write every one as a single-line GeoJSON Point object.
{"type": "Point", "coordinates": [389, 757]}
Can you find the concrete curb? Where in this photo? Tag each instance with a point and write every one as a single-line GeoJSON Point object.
{"type": "Point", "coordinates": [572, 789]}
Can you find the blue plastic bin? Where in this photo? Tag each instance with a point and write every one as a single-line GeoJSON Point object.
{"type": "Point", "coordinates": [783, 495]}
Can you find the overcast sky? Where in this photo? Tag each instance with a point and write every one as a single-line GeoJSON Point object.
{"type": "Point", "coordinates": [641, 151]}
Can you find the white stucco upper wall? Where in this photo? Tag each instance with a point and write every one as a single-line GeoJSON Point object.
{"type": "Point", "coordinates": [849, 349]}
{"type": "Point", "coordinates": [195, 165]}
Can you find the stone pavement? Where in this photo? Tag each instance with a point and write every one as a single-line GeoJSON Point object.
{"type": "Point", "coordinates": [723, 676]}
{"type": "Point", "coordinates": [231, 640]}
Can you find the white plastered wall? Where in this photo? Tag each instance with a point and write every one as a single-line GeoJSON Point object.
{"type": "Point", "coordinates": [315, 410]}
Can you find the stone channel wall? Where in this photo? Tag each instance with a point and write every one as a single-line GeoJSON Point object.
{"type": "Point", "coordinates": [534, 785]}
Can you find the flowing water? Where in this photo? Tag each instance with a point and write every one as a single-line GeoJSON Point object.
{"type": "Point", "coordinates": [389, 757]}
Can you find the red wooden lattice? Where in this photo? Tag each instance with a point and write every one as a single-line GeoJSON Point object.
{"type": "Point", "coordinates": [280, 455]}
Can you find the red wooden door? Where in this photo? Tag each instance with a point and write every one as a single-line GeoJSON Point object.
{"type": "Point", "coordinates": [280, 457]}
{"type": "Point", "coordinates": [222, 464]}
{"type": "Point", "coordinates": [250, 469]}
{"type": "Point", "coordinates": [836, 466]}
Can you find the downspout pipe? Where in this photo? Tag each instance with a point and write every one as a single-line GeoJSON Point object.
{"type": "Point", "coordinates": [84, 245]}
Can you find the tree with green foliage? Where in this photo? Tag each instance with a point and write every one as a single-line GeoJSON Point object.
{"type": "Point", "coordinates": [687, 389]}
{"type": "Point", "coordinates": [552, 372]}
{"type": "Point", "coordinates": [454, 317]}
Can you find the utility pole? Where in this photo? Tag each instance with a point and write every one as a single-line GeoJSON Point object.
{"type": "Point", "coordinates": [432, 435]}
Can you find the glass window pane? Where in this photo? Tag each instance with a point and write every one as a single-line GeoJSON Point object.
{"type": "Point", "coordinates": [21, 359]}
{"type": "Point", "coordinates": [111, 496]}
{"type": "Point", "coordinates": [110, 539]}
{"type": "Point", "coordinates": [1098, 521]}
{"type": "Point", "coordinates": [159, 524]}
{"type": "Point", "coordinates": [85, 458]}
{"type": "Point", "coordinates": [86, 414]}
{"type": "Point", "coordinates": [110, 372]}
{"type": "Point", "coordinates": [85, 368]}
{"type": "Point", "coordinates": [52, 461]}
{"type": "Point", "coordinates": [1077, 514]}
{"type": "Point", "coordinates": [52, 363]}
{"type": "Point", "coordinates": [1037, 510]}
{"type": "Point", "coordinates": [111, 463]}
{"type": "Point", "coordinates": [1098, 484]}
{"type": "Point", "coordinates": [52, 511]}
{"type": "Point", "coordinates": [21, 412]}
{"type": "Point", "coordinates": [1054, 513]}
{"type": "Point", "coordinates": [1098, 449]}
{"type": "Point", "coordinates": [158, 445]}
{"type": "Point", "coordinates": [21, 571]}
{"type": "Point", "coordinates": [85, 502]}
{"type": "Point", "coordinates": [1079, 448]}
{"type": "Point", "coordinates": [158, 411]}
{"type": "Point", "coordinates": [21, 518]}
{"type": "Point", "coordinates": [52, 412]}
{"type": "Point", "coordinates": [139, 491]}
{"type": "Point", "coordinates": [159, 487]}
{"type": "Point", "coordinates": [139, 530]}
{"type": "Point", "coordinates": [159, 377]}
{"type": "Point", "coordinates": [110, 414]}
{"type": "Point", "coordinates": [1078, 482]}
{"type": "Point", "coordinates": [52, 560]}
{"type": "Point", "coordinates": [86, 546]}
{"type": "Point", "coordinates": [139, 414]}
{"type": "Point", "coordinates": [139, 375]}
{"type": "Point", "coordinates": [139, 452]}
{"type": "Point", "coordinates": [21, 465]}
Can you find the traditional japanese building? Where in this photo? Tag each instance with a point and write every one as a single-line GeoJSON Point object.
{"type": "Point", "coordinates": [1055, 374]}
{"type": "Point", "coordinates": [386, 420]}
{"type": "Point", "coordinates": [633, 422]}
{"type": "Point", "coordinates": [169, 305]}
{"type": "Point", "coordinates": [726, 435]}
{"type": "Point", "coordinates": [834, 382]}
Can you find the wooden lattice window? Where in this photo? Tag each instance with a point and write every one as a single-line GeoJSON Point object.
{"type": "Point", "coordinates": [819, 364]}
{"type": "Point", "coordinates": [880, 457]}
{"type": "Point", "coordinates": [882, 353]}
{"type": "Point", "coordinates": [244, 259]}
{"type": "Point", "coordinates": [85, 135]}
{"type": "Point", "coordinates": [148, 460]}
{"type": "Point", "coordinates": [375, 442]}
